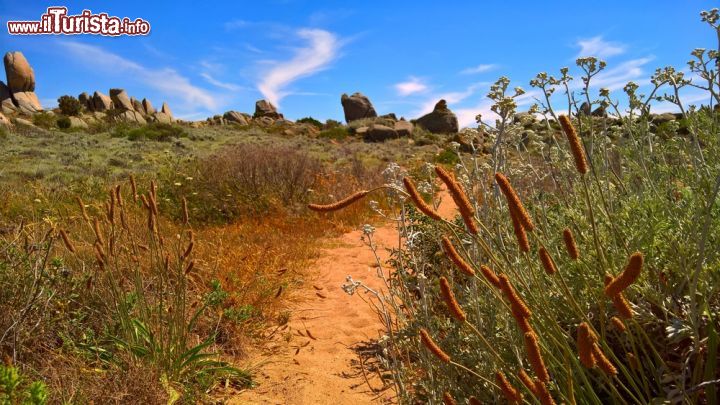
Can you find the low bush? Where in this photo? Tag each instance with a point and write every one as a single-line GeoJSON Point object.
{"type": "Point", "coordinates": [69, 105]}
{"type": "Point", "coordinates": [156, 131]}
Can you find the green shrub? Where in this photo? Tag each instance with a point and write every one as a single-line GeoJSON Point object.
{"type": "Point", "coordinates": [311, 121]}
{"type": "Point", "coordinates": [63, 122]}
{"type": "Point", "coordinates": [448, 157]}
{"type": "Point", "coordinates": [69, 105]}
{"type": "Point", "coordinates": [15, 390]}
{"type": "Point", "coordinates": [330, 124]}
{"type": "Point", "coordinates": [45, 120]}
{"type": "Point", "coordinates": [336, 133]}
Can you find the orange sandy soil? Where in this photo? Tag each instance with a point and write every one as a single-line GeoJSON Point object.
{"type": "Point", "coordinates": [326, 370]}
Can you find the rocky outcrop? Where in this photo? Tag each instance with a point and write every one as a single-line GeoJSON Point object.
{"type": "Point", "coordinates": [132, 116]}
{"type": "Point", "coordinates": [357, 106]}
{"type": "Point", "coordinates": [4, 121]}
{"type": "Point", "coordinates": [85, 100]}
{"type": "Point", "coordinates": [404, 128]}
{"type": "Point", "coordinates": [76, 122]}
{"type": "Point", "coordinates": [27, 102]}
{"type": "Point", "coordinates": [6, 103]}
{"type": "Point", "coordinates": [121, 100]}
{"type": "Point", "coordinates": [379, 133]}
{"type": "Point", "coordinates": [264, 108]}
{"type": "Point", "coordinates": [440, 121]}
{"type": "Point", "coordinates": [162, 117]}
{"type": "Point", "coordinates": [235, 117]}
{"type": "Point", "coordinates": [148, 107]}
{"type": "Point", "coordinates": [20, 76]}
{"type": "Point", "coordinates": [20, 84]}
{"type": "Point", "coordinates": [137, 105]}
{"type": "Point", "coordinates": [101, 102]}
{"type": "Point", "coordinates": [166, 110]}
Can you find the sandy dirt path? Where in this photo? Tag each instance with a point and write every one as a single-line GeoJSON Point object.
{"type": "Point", "coordinates": [325, 370]}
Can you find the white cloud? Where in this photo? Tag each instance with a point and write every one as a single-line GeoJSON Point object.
{"type": "Point", "coordinates": [165, 80]}
{"type": "Point", "coordinates": [218, 83]}
{"type": "Point", "coordinates": [598, 47]}
{"type": "Point", "coordinates": [412, 86]}
{"type": "Point", "coordinates": [322, 49]}
{"type": "Point", "coordinates": [478, 69]}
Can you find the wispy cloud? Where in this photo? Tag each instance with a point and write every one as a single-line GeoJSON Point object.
{"type": "Point", "coordinates": [223, 85]}
{"type": "Point", "coordinates": [413, 85]}
{"type": "Point", "coordinates": [598, 47]}
{"type": "Point", "coordinates": [478, 69]}
{"type": "Point", "coordinates": [321, 50]}
{"type": "Point", "coordinates": [614, 78]}
{"type": "Point", "coordinates": [167, 81]}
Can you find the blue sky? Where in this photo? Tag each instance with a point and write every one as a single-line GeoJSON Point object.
{"type": "Point", "coordinates": [205, 58]}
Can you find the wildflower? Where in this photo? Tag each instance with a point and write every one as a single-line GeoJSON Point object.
{"type": "Point", "coordinates": [339, 204]}
{"type": "Point", "coordinates": [514, 201]}
{"type": "Point", "coordinates": [585, 342]}
{"type": "Point", "coordinates": [490, 275]}
{"type": "Point", "coordinates": [576, 147]}
{"type": "Point", "coordinates": [517, 305]}
{"type": "Point", "coordinates": [511, 393]}
{"type": "Point", "coordinates": [535, 357]}
{"type": "Point", "coordinates": [619, 325]}
{"type": "Point", "coordinates": [543, 394]}
{"type": "Point", "coordinates": [527, 381]}
{"type": "Point", "coordinates": [467, 212]}
{"type": "Point", "coordinates": [433, 347]}
{"type": "Point", "coordinates": [66, 240]}
{"type": "Point", "coordinates": [602, 361]}
{"type": "Point", "coordinates": [418, 200]}
{"type": "Point", "coordinates": [448, 399]}
{"type": "Point", "coordinates": [570, 244]}
{"type": "Point", "coordinates": [627, 277]}
{"type": "Point", "coordinates": [455, 257]}
{"type": "Point", "coordinates": [450, 300]}
{"type": "Point", "coordinates": [547, 261]}
{"type": "Point", "coordinates": [619, 301]}
{"type": "Point", "coordinates": [520, 233]}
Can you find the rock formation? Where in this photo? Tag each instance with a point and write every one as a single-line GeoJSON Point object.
{"type": "Point", "coordinates": [357, 106]}
{"type": "Point", "coordinates": [264, 108]}
{"type": "Point", "coordinates": [440, 121]}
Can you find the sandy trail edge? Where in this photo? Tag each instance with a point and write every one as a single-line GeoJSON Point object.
{"type": "Point", "coordinates": [322, 372]}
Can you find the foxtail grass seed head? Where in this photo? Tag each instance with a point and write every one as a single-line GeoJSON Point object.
{"type": "Point", "coordinates": [474, 401]}
{"type": "Point", "coordinates": [145, 201]}
{"type": "Point", "coordinates": [547, 261]}
{"type": "Point", "coordinates": [570, 244]}
{"type": "Point", "coordinates": [418, 200]}
{"type": "Point", "coordinates": [339, 204]}
{"type": "Point", "coordinates": [66, 240]}
{"type": "Point", "coordinates": [82, 209]}
{"type": "Point", "coordinates": [512, 395]}
{"type": "Point", "coordinates": [622, 306]}
{"type": "Point", "coordinates": [585, 342]}
{"type": "Point", "coordinates": [455, 257]}
{"type": "Point", "coordinates": [186, 215]}
{"type": "Point", "coordinates": [543, 393]}
{"type": "Point", "coordinates": [632, 361]}
{"type": "Point", "coordinates": [490, 275]}
{"type": "Point", "coordinates": [450, 301]}
{"type": "Point", "coordinates": [98, 232]}
{"type": "Point", "coordinates": [535, 357]}
{"type": "Point", "coordinates": [133, 187]}
{"type": "Point", "coordinates": [627, 277]}
{"type": "Point", "coordinates": [514, 201]}
{"type": "Point", "coordinates": [448, 399]}
{"type": "Point", "coordinates": [188, 251]}
{"type": "Point", "coordinates": [576, 147]}
{"type": "Point", "coordinates": [467, 212]}
{"type": "Point", "coordinates": [524, 324]}
{"type": "Point", "coordinates": [430, 344]}
{"type": "Point", "coordinates": [602, 361]}
{"type": "Point", "coordinates": [189, 267]}
{"type": "Point", "coordinates": [520, 233]}
{"type": "Point", "coordinates": [527, 381]}
{"type": "Point", "coordinates": [619, 325]}
{"type": "Point", "coordinates": [517, 305]}
{"type": "Point", "coordinates": [118, 195]}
